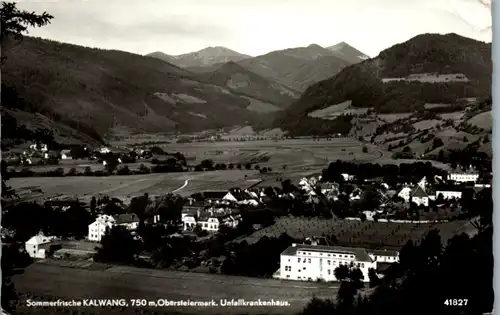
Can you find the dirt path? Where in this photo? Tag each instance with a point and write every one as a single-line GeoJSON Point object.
{"type": "Point", "coordinates": [186, 182]}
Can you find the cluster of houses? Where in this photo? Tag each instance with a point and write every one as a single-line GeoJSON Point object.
{"type": "Point", "coordinates": [456, 184]}
{"type": "Point", "coordinates": [38, 153]}
{"type": "Point", "coordinates": [218, 208]}
{"type": "Point", "coordinates": [104, 222]}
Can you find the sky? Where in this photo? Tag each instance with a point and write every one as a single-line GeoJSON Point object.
{"type": "Point", "coordinates": [255, 27]}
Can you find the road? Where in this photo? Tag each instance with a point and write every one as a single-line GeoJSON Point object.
{"type": "Point", "coordinates": [186, 182]}
{"type": "Point", "coordinates": [127, 282]}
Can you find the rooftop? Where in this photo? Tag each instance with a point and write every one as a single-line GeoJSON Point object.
{"type": "Point", "coordinates": [360, 253]}
{"type": "Point", "coordinates": [418, 192]}
{"type": "Point", "coordinates": [39, 239]}
{"type": "Point", "coordinates": [214, 194]}
{"type": "Point", "coordinates": [127, 218]}
{"type": "Point", "coordinates": [382, 252]}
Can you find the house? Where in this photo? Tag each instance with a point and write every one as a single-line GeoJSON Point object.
{"type": "Point", "coordinates": [356, 194]}
{"type": "Point", "coordinates": [405, 193]}
{"type": "Point", "coordinates": [327, 188]}
{"type": "Point", "coordinates": [40, 146]}
{"type": "Point", "coordinates": [240, 196]}
{"type": "Point", "coordinates": [449, 193]}
{"type": "Point", "coordinates": [39, 245]}
{"type": "Point", "coordinates": [347, 177]}
{"type": "Point", "coordinates": [419, 196]}
{"type": "Point", "coordinates": [104, 150]}
{"type": "Point", "coordinates": [423, 183]}
{"type": "Point", "coordinates": [66, 155]}
{"type": "Point", "coordinates": [384, 256]}
{"type": "Point", "coordinates": [128, 220]}
{"type": "Point", "coordinates": [458, 175]}
{"type": "Point", "coordinates": [194, 206]}
{"type": "Point", "coordinates": [213, 195]}
{"type": "Point", "coordinates": [98, 228]}
{"type": "Point", "coordinates": [211, 219]}
{"type": "Point", "coordinates": [317, 262]}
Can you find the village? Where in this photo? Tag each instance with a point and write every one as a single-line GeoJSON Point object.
{"type": "Point", "coordinates": [199, 232]}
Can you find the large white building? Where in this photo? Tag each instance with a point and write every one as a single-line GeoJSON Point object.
{"type": "Point", "coordinates": [315, 262]}
{"type": "Point", "coordinates": [98, 228]}
{"type": "Point", "coordinates": [469, 175]}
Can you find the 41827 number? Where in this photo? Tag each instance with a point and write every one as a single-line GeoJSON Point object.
{"type": "Point", "coordinates": [456, 302]}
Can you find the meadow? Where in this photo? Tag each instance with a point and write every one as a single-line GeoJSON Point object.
{"type": "Point", "coordinates": [127, 187]}
{"type": "Point", "coordinates": [134, 283]}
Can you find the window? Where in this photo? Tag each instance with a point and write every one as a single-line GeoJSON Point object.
{"type": "Point", "coordinates": [362, 265]}
{"type": "Point", "coordinates": [329, 255]}
{"type": "Point", "coordinates": [304, 268]}
{"type": "Point", "coordinates": [288, 259]}
{"type": "Point", "coordinates": [288, 276]}
{"type": "Point", "coordinates": [329, 271]}
{"type": "Point", "coordinates": [328, 261]}
{"type": "Point", "coordinates": [299, 259]}
{"type": "Point", "coordinates": [309, 260]}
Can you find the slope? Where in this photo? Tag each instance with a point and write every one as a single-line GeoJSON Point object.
{"type": "Point", "coordinates": [244, 82]}
{"type": "Point", "coordinates": [348, 53]}
{"type": "Point", "coordinates": [203, 58]}
{"type": "Point", "coordinates": [100, 89]}
{"type": "Point", "coordinates": [428, 68]}
{"type": "Point", "coordinates": [297, 67]}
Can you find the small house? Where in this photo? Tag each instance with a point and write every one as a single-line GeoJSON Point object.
{"type": "Point", "coordinates": [38, 246]}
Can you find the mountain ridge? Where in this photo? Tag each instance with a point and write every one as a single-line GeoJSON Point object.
{"type": "Point", "coordinates": [309, 64]}
{"type": "Point", "coordinates": [100, 89]}
{"type": "Point", "coordinates": [205, 57]}
{"type": "Point", "coordinates": [428, 68]}
{"type": "Point", "coordinates": [242, 81]}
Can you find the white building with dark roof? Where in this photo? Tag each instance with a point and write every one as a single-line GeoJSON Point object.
{"type": "Point", "coordinates": [316, 262]}
{"type": "Point", "coordinates": [384, 256]}
{"type": "Point", "coordinates": [210, 219]}
{"type": "Point", "coordinates": [458, 175]}
{"type": "Point", "coordinates": [419, 196]}
{"type": "Point", "coordinates": [98, 228]}
{"type": "Point", "coordinates": [38, 245]}
{"type": "Point", "coordinates": [449, 193]}
{"type": "Point", "coordinates": [128, 220]}
{"type": "Point", "coordinates": [405, 193]}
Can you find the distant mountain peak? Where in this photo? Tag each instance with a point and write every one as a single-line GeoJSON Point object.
{"type": "Point", "coordinates": [339, 46]}
{"type": "Point", "coordinates": [346, 50]}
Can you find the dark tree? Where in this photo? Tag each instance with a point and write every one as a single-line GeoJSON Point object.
{"type": "Point", "coordinates": [15, 22]}
{"type": "Point", "coordinates": [118, 246]}
{"type": "Point", "coordinates": [341, 272]}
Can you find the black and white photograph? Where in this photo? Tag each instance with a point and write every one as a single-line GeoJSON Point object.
{"type": "Point", "coordinates": [219, 157]}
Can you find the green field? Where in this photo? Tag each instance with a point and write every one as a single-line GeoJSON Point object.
{"type": "Point", "coordinates": [126, 187]}
{"type": "Point", "coordinates": [368, 234]}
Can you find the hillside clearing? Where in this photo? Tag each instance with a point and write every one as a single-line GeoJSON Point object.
{"type": "Point", "coordinates": [483, 120]}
